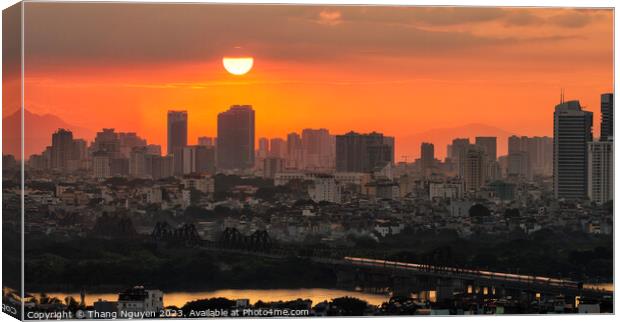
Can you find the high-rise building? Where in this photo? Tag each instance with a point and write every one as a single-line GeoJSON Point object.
{"type": "Point", "coordinates": [474, 168]}
{"type": "Point", "coordinates": [235, 136]}
{"type": "Point", "coordinates": [294, 151]}
{"type": "Point", "coordinates": [277, 148]}
{"type": "Point", "coordinates": [540, 149]}
{"type": "Point", "coordinates": [458, 150]}
{"type": "Point", "coordinates": [272, 166]}
{"type": "Point", "coordinates": [101, 165]}
{"type": "Point", "coordinates": [519, 165]}
{"type": "Point", "coordinates": [572, 130]}
{"type": "Point", "coordinates": [362, 152]}
{"type": "Point", "coordinates": [607, 116]}
{"type": "Point", "coordinates": [489, 145]}
{"type": "Point", "coordinates": [153, 149]}
{"type": "Point", "coordinates": [107, 141]}
{"type": "Point", "coordinates": [198, 159]}
{"type": "Point", "coordinates": [529, 156]}
{"type": "Point", "coordinates": [80, 149]}
{"type": "Point", "coordinates": [263, 147]}
{"type": "Point", "coordinates": [427, 156]}
{"type": "Point", "coordinates": [128, 141]}
{"type": "Point", "coordinates": [119, 167]}
{"type": "Point", "coordinates": [143, 164]}
{"type": "Point", "coordinates": [177, 130]}
{"type": "Point", "coordinates": [62, 149]}
{"type": "Point", "coordinates": [601, 170]}
{"type": "Point", "coordinates": [319, 149]}
{"type": "Point", "coordinates": [207, 141]}
{"type": "Point", "coordinates": [137, 162]}
{"type": "Point", "coordinates": [391, 142]}
{"type": "Point", "coordinates": [160, 166]}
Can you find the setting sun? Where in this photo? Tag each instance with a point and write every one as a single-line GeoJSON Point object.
{"type": "Point", "coordinates": [238, 65]}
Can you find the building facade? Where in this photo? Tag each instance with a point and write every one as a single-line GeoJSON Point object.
{"type": "Point", "coordinates": [572, 130]}
{"type": "Point", "coordinates": [177, 130]}
{"type": "Point", "coordinates": [235, 138]}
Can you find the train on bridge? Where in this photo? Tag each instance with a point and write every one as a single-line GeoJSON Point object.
{"type": "Point", "coordinates": [564, 283]}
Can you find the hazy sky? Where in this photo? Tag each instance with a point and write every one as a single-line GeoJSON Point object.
{"type": "Point", "coordinates": [397, 70]}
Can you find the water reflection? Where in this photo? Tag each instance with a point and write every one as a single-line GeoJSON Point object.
{"type": "Point", "coordinates": [180, 298]}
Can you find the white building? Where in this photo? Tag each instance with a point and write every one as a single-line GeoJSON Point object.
{"type": "Point", "coordinates": [101, 166]}
{"type": "Point", "coordinates": [138, 299]}
{"type": "Point", "coordinates": [325, 188]}
{"type": "Point", "coordinates": [451, 191]}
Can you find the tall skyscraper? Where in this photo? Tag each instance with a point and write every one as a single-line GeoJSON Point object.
{"type": "Point", "coordinates": [294, 151]}
{"type": "Point", "coordinates": [177, 130]}
{"type": "Point", "coordinates": [107, 141]}
{"type": "Point", "coordinates": [458, 149]}
{"type": "Point", "coordinates": [235, 138]}
{"type": "Point", "coordinates": [607, 116]}
{"type": "Point", "coordinates": [601, 171]}
{"type": "Point", "coordinates": [62, 149]}
{"type": "Point", "coordinates": [362, 152]}
{"type": "Point", "coordinates": [572, 130]}
{"type": "Point", "coordinates": [263, 147]}
{"type": "Point", "coordinates": [489, 145]}
{"type": "Point", "coordinates": [519, 165]}
{"type": "Point", "coordinates": [474, 168]}
{"type": "Point", "coordinates": [319, 149]}
{"type": "Point", "coordinates": [277, 148]}
{"type": "Point", "coordinates": [427, 156]}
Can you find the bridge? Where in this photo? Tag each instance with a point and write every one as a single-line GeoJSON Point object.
{"type": "Point", "coordinates": [452, 279]}
{"type": "Point", "coordinates": [399, 277]}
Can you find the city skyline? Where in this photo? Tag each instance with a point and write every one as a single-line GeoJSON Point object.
{"type": "Point", "coordinates": [489, 60]}
{"type": "Point", "coordinates": [235, 160]}
{"type": "Point", "coordinates": [491, 143]}
{"type": "Point", "coordinates": [400, 154]}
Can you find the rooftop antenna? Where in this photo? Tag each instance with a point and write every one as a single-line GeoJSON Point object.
{"type": "Point", "coordinates": [561, 95]}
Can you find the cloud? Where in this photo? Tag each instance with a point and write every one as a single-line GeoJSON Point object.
{"type": "Point", "coordinates": [522, 18]}
{"type": "Point", "coordinates": [572, 19]}
{"type": "Point", "coordinates": [59, 35]}
{"type": "Point", "coordinates": [330, 17]}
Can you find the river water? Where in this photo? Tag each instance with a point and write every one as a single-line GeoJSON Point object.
{"type": "Point", "coordinates": [180, 298]}
{"type": "Point", "coordinates": [317, 295]}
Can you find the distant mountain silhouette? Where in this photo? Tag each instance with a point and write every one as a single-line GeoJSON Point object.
{"type": "Point", "coordinates": [410, 145]}
{"type": "Point", "coordinates": [38, 131]}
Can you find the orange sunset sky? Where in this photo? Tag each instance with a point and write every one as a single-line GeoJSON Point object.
{"type": "Point", "coordinates": [402, 71]}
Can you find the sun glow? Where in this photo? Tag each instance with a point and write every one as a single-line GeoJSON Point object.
{"type": "Point", "coordinates": [238, 65]}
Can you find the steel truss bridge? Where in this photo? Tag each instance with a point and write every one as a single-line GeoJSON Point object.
{"type": "Point", "coordinates": [260, 243]}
